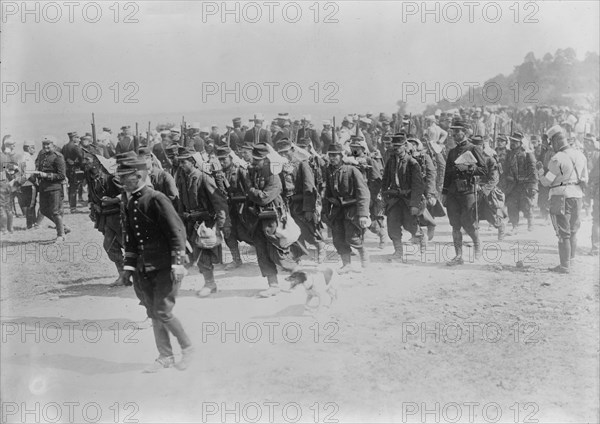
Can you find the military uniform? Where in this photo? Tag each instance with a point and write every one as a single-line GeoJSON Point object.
{"type": "Point", "coordinates": [106, 213]}
{"type": "Point", "coordinates": [202, 202]}
{"type": "Point", "coordinates": [235, 185]}
{"type": "Point", "coordinates": [403, 189]}
{"type": "Point", "coordinates": [345, 204]}
{"type": "Point", "coordinates": [74, 162]}
{"type": "Point", "coordinates": [520, 183]}
{"type": "Point", "coordinates": [594, 195]}
{"type": "Point", "coordinates": [490, 197]}
{"type": "Point", "coordinates": [154, 247]}
{"type": "Point", "coordinates": [9, 166]}
{"type": "Point", "coordinates": [460, 192]}
{"type": "Point", "coordinates": [265, 200]}
{"type": "Point", "coordinates": [301, 194]}
{"type": "Point", "coordinates": [52, 165]}
{"type": "Point", "coordinates": [567, 171]}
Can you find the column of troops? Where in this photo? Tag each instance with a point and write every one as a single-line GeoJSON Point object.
{"type": "Point", "coordinates": [171, 199]}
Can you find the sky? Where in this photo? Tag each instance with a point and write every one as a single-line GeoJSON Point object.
{"type": "Point", "coordinates": [154, 57]}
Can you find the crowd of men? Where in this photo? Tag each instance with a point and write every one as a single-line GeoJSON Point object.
{"type": "Point", "coordinates": [170, 199]}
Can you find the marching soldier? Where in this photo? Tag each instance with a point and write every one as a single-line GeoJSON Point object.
{"type": "Point", "coordinates": [51, 170]}
{"type": "Point", "coordinates": [301, 194]}
{"type": "Point", "coordinates": [161, 180]}
{"type": "Point", "coordinates": [403, 190]}
{"type": "Point", "coordinates": [459, 191]}
{"type": "Point", "coordinates": [429, 174]}
{"type": "Point", "coordinates": [543, 154]}
{"type": "Point", "coordinates": [154, 255]}
{"type": "Point", "coordinates": [160, 150]}
{"type": "Point", "coordinates": [372, 172]}
{"type": "Point", "coordinates": [490, 197]}
{"type": "Point", "coordinates": [326, 136]}
{"type": "Point", "coordinates": [8, 178]}
{"type": "Point", "coordinates": [258, 134]}
{"type": "Point", "coordinates": [501, 152]}
{"type": "Point", "coordinates": [237, 135]}
{"type": "Point", "coordinates": [236, 184]}
{"type": "Point", "coordinates": [520, 183]}
{"type": "Point", "coordinates": [307, 131]}
{"type": "Point", "coordinates": [567, 173]}
{"type": "Point", "coordinates": [127, 142]}
{"type": "Point", "coordinates": [105, 209]}
{"type": "Point", "coordinates": [346, 208]}
{"type": "Point", "coordinates": [265, 197]}
{"type": "Point", "coordinates": [74, 161]}
{"type": "Point", "coordinates": [202, 204]}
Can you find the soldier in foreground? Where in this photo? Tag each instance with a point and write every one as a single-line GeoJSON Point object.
{"type": "Point", "coordinates": [403, 189]}
{"type": "Point", "coordinates": [460, 190]}
{"type": "Point", "coordinates": [346, 208]}
{"type": "Point", "coordinates": [567, 173]}
{"type": "Point", "coordinates": [155, 253]}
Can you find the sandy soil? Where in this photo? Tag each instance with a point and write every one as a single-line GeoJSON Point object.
{"type": "Point", "coordinates": [414, 342]}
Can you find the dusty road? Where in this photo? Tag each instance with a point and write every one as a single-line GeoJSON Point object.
{"type": "Point", "coordinates": [414, 342]}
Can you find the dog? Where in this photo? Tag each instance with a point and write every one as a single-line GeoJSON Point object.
{"type": "Point", "coordinates": [319, 282]}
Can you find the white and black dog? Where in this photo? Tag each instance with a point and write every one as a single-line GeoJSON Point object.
{"type": "Point", "coordinates": [318, 282]}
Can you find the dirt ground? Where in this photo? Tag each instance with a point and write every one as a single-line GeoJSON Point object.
{"type": "Point", "coordinates": [414, 342]}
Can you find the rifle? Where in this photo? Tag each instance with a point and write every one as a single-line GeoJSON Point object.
{"type": "Point", "coordinates": [357, 126]}
{"type": "Point", "coordinates": [409, 123]}
{"type": "Point", "coordinates": [183, 135]}
{"type": "Point", "coordinates": [93, 129]}
{"type": "Point", "coordinates": [148, 135]}
{"type": "Point", "coordinates": [137, 132]}
{"type": "Point", "coordinates": [333, 132]}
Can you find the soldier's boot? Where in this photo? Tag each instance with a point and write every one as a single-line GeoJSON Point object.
{"type": "Point", "coordinates": [501, 231]}
{"type": "Point", "coordinates": [346, 264]}
{"type": "Point", "coordinates": [398, 255]}
{"type": "Point", "coordinates": [364, 257]}
{"type": "Point", "coordinates": [458, 240]}
{"type": "Point", "coordinates": [573, 243]}
{"type": "Point", "coordinates": [237, 258]}
{"type": "Point", "coordinates": [273, 289]}
{"type": "Point", "coordinates": [210, 286]}
{"type": "Point", "coordinates": [564, 253]}
{"type": "Point", "coordinates": [321, 252]}
{"type": "Point", "coordinates": [530, 224]}
{"type": "Point", "coordinates": [515, 230]}
{"type": "Point", "coordinates": [121, 280]}
{"type": "Point", "coordinates": [186, 358]}
{"type": "Point", "coordinates": [476, 245]}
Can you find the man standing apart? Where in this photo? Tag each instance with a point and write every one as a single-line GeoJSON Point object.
{"type": "Point", "coordinates": [51, 173]}
{"type": "Point", "coordinates": [567, 172]}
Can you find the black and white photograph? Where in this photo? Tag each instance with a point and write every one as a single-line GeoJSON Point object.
{"type": "Point", "coordinates": [306, 211]}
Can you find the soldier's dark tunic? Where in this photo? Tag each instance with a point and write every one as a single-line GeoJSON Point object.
{"type": "Point", "coordinates": [50, 187]}
{"type": "Point", "coordinates": [311, 134]}
{"type": "Point", "coordinates": [165, 183]}
{"type": "Point", "coordinates": [300, 191]}
{"type": "Point", "coordinates": [160, 151]}
{"type": "Point", "coordinates": [265, 195]}
{"type": "Point", "coordinates": [520, 184]}
{"type": "Point", "coordinates": [491, 198]}
{"type": "Point", "coordinates": [74, 165]}
{"type": "Point", "coordinates": [202, 202]}
{"type": "Point", "coordinates": [459, 187]}
{"type": "Point", "coordinates": [254, 136]}
{"type": "Point", "coordinates": [241, 219]}
{"type": "Point", "coordinates": [106, 217]}
{"type": "Point", "coordinates": [154, 241]}
{"type": "Point", "coordinates": [403, 189]}
{"type": "Point", "coordinates": [346, 199]}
